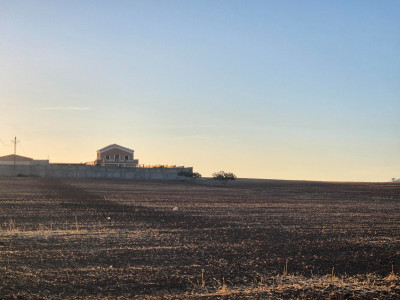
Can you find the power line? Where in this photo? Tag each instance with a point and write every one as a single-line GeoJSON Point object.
{"type": "Point", "coordinates": [5, 143]}
{"type": "Point", "coordinates": [22, 148]}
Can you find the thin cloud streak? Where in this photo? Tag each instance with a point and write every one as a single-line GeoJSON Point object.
{"type": "Point", "coordinates": [66, 108]}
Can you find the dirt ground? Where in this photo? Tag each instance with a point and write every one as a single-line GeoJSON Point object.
{"type": "Point", "coordinates": [251, 239]}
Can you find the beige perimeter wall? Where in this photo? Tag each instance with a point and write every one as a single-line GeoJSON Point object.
{"type": "Point", "coordinates": [83, 171]}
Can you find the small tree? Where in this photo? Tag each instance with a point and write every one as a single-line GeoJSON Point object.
{"type": "Point", "coordinates": [196, 175]}
{"type": "Point", "coordinates": [224, 177]}
{"type": "Point", "coordinates": [188, 174]}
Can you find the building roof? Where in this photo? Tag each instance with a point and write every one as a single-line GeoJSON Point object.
{"type": "Point", "coordinates": [114, 146]}
{"type": "Point", "coordinates": [17, 158]}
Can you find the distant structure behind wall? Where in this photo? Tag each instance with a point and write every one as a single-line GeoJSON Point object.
{"type": "Point", "coordinates": [21, 160]}
{"type": "Point", "coordinates": [115, 155]}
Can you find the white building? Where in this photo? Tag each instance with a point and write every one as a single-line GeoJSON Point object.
{"type": "Point", "coordinates": [115, 155]}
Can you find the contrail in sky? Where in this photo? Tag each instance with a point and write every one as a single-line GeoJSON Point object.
{"type": "Point", "coordinates": [65, 108]}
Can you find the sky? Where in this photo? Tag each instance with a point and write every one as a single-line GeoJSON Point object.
{"type": "Point", "coordinates": [305, 90]}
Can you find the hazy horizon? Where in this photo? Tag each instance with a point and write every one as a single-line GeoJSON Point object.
{"type": "Point", "coordinates": [264, 89]}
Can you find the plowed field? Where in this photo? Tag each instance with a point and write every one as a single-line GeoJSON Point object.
{"type": "Point", "coordinates": [96, 239]}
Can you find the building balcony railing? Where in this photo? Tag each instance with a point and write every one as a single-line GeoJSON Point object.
{"type": "Point", "coordinates": [120, 160]}
{"type": "Point", "coordinates": [102, 162]}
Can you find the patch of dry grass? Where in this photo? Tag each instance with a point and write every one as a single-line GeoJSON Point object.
{"type": "Point", "coordinates": [292, 286]}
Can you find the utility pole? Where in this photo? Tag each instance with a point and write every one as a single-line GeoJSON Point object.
{"type": "Point", "coordinates": [15, 149]}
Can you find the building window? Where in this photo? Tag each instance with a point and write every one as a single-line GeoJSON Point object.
{"type": "Point", "coordinates": [126, 157]}
{"type": "Point", "coordinates": [107, 157]}
{"type": "Point", "coordinates": [116, 156]}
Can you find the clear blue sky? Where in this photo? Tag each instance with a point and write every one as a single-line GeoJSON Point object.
{"type": "Point", "coordinates": [266, 89]}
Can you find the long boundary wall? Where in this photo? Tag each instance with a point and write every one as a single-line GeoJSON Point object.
{"type": "Point", "coordinates": [83, 171]}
